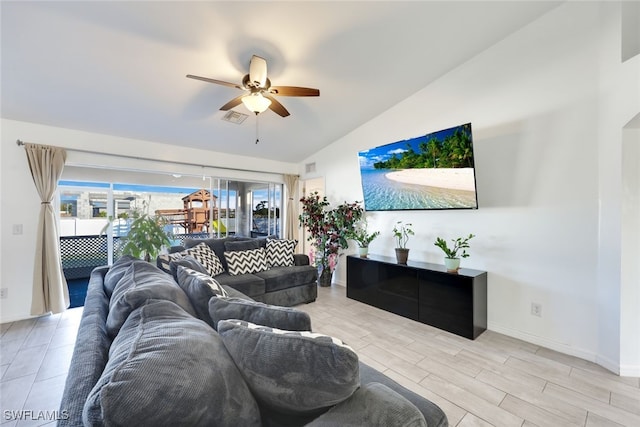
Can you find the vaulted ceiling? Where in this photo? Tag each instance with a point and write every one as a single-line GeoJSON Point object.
{"type": "Point", "coordinates": [119, 68]}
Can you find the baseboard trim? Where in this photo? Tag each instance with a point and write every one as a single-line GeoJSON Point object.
{"type": "Point", "coordinates": [557, 346]}
{"type": "Point", "coordinates": [630, 371]}
{"type": "Point", "coordinates": [19, 318]}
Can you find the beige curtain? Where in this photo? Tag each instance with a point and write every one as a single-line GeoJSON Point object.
{"type": "Point", "coordinates": [50, 293]}
{"type": "Point", "coordinates": [291, 222]}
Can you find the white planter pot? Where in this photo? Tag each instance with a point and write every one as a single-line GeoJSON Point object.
{"type": "Point", "coordinates": [452, 264]}
{"type": "Point", "coordinates": [363, 252]}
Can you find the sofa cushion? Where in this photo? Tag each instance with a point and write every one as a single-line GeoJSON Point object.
{"type": "Point", "coordinates": [241, 245]}
{"type": "Point", "coordinates": [277, 278]}
{"type": "Point", "coordinates": [249, 284]}
{"type": "Point", "coordinates": [116, 271]}
{"type": "Point", "coordinates": [246, 262]}
{"type": "Point", "coordinates": [200, 288]}
{"type": "Point", "coordinates": [141, 282]}
{"type": "Point", "coordinates": [160, 375]}
{"type": "Point", "coordinates": [291, 372]}
{"type": "Point", "coordinates": [259, 313]}
{"type": "Point", "coordinates": [280, 252]}
{"type": "Point", "coordinates": [373, 404]}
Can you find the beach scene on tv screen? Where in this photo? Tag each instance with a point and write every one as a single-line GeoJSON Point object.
{"type": "Point", "coordinates": [434, 171]}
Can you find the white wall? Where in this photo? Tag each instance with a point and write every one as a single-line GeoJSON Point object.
{"type": "Point", "coordinates": [630, 284]}
{"type": "Point", "coordinates": [546, 109]}
{"type": "Point", "coordinates": [20, 203]}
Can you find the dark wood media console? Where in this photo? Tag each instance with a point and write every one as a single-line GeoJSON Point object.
{"type": "Point", "coordinates": [454, 302]}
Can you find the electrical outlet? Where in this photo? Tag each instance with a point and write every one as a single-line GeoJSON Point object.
{"type": "Point", "coordinates": [536, 309]}
{"type": "Point", "coordinates": [17, 229]}
{"type": "Point", "coordinates": [4, 293]}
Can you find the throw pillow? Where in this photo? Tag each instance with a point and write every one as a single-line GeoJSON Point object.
{"type": "Point", "coordinates": [200, 288]}
{"type": "Point", "coordinates": [167, 368]}
{"type": "Point", "coordinates": [280, 252]}
{"type": "Point", "coordinates": [256, 312]}
{"type": "Point", "coordinates": [141, 282]}
{"type": "Point", "coordinates": [207, 258]}
{"type": "Point", "coordinates": [291, 372]}
{"type": "Point", "coordinates": [201, 252]}
{"type": "Point", "coordinates": [244, 262]}
{"type": "Point", "coordinates": [163, 261]}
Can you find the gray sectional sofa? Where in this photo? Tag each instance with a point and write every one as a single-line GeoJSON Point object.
{"type": "Point", "coordinates": [283, 285]}
{"type": "Point", "coordinates": [147, 353]}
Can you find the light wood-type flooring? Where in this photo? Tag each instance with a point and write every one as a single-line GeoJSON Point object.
{"type": "Point", "coordinates": [494, 380]}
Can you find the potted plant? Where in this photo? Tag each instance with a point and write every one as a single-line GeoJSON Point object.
{"type": "Point", "coordinates": [362, 236]}
{"type": "Point", "coordinates": [452, 260]}
{"type": "Point", "coordinates": [329, 230]}
{"type": "Point", "coordinates": [401, 233]}
{"type": "Point", "coordinates": [146, 236]}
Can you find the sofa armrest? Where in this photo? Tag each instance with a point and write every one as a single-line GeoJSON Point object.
{"type": "Point", "coordinates": [432, 413]}
{"type": "Point", "coordinates": [90, 353]}
{"type": "Point", "coordinates": [300, 259]}
{"type": "Point", "coordinates": [373, 404]}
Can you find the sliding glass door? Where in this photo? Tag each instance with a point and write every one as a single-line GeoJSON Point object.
{"type": "Point", "coordinates": [96, 215]}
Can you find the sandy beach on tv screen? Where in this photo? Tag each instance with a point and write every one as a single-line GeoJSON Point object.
{"type": "Point", "coordinates": [451, 178]}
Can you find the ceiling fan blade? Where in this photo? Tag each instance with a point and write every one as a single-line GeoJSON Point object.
{"type": "Point", "coordinates": [218, 82]}
{"type": "Point", "coordinates": [258, 71]}
{"type": "Point", "coordinates": [293, 91]}
{"type": "Point", "coordinates": [234, 102]}
{"type": "Point", "coordinates": [276, 107]}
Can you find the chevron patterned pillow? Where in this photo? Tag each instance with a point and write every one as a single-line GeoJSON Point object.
{"type": "Point", "coordinates": [244, 262]}
{"type": "Point", "coordinates": [205, 256]}
{"type": "Point", "coordinates": [280, 252]}
{"type": "Point", "coordinates": [163, 262]}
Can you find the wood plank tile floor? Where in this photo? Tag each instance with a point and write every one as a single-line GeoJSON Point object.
{"type": "Point", "coordinates": [494, 380]}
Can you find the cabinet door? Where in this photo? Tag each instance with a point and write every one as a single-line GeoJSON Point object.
{"type": "Point", "coordinates": [390, 287]}
{"type": "Point", "coordinates": [446, 302]}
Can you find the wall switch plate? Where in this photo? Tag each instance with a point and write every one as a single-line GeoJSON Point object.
{"type": "Point", "coordinates": [536, 309]}
{"type": "Point", "coordinates": [17, 229]}
{"type": "Point", "coordinates": [4, 293]}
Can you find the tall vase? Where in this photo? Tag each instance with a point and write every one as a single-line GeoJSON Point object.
{"type": "Point", "coordinates": [324, 276]}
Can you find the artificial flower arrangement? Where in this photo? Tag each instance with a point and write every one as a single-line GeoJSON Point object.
{"type": "Point", "coordinates": [329, 230]}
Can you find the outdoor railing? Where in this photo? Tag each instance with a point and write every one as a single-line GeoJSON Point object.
{"type": "Point", "coordinates": [81, 254]}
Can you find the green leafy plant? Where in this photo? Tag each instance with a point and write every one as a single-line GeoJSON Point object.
{"type": "Point", "coordinates": [458, 244]}
{"type": "Point", "coordinates": [146, 236]}
{"type": "Point", "coordinates": [361, 235]}
{"type": "Point", "coordinates": [401, 233]}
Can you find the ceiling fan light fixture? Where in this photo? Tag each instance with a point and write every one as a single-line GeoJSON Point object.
{"type": "Point", "coordinates": [256, 103]}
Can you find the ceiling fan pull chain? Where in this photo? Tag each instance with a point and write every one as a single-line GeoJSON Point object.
{"type": "Point", "coordinates": [257, 140]}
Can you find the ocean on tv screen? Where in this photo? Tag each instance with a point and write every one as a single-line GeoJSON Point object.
{"type": "Point", "coordinates": [434, 171]}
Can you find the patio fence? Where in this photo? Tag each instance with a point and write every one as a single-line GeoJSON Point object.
{"type": "Point", "coordinates": [81, 254]}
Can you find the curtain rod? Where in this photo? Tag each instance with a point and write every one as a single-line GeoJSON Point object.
{"type": "Point", "coordinates": [125, 156]}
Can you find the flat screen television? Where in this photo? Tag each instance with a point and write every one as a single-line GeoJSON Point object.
{"type": "Point", "coordinates": [434, 171]}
